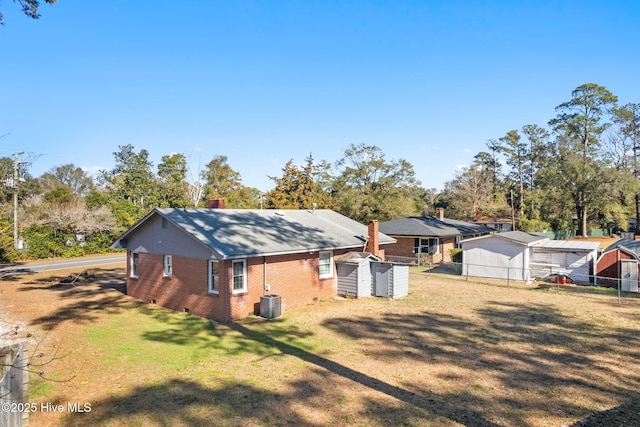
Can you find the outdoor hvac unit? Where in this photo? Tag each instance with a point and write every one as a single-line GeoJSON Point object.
{"type": "Point", "coordinates": [270, 306]}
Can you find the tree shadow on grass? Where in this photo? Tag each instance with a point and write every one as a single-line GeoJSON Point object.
{"type": "Point", "coordinates": [313, 398]}
{"type": "Point", "coordinates": [533, 350]}
{"type": "Point", "coordinates": [420, 399]}
{"type": "Point", "coordinates": [555, 354]}
{"type": "Point", "coordinates": [626, 414]}
{"type": "Point", "coordinates": [80, 298]}
{"type": "Point", "coordinates": [183, 402]}
{"type": "Point", "coordinates": [202, 333]}
{"type": "Point", "coordinates": [304, 402]}
{"type": "Point", "coordinates": [280, 339]}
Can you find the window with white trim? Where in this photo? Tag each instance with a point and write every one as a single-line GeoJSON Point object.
{"type": "Point", "coordinates": [325, 269]}
{"type": "Point", "coordinates": [214, 286]}
{"type": "Point", "coordinates": [168, 265]}
{"type": "Point", "coordinates": [426, 246]}
{"type": "Point", "coordinates": [239, 274]}
{"type": "Point", "coordinates": [134, 265]}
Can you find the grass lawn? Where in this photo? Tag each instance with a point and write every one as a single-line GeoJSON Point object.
{"type": "Point", "coordinates": [453, 352]}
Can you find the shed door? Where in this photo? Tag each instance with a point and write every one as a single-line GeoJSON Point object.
{"type": "Point", "coordinates": [381, 279]}
{"type": "Point", "coordinates": [629, 275]}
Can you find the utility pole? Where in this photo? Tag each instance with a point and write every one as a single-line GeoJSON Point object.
{"type": "Point", "coordinates": [13, 184]}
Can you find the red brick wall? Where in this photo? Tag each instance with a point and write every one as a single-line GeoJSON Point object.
{"type": "Point", "coordinates": [294, 277]}
{"type": "Point", "coordinates": [403, 247]}
{"type": "Point", "coordinates": [186, 288]}
{"type": "Point", "coordinates": [445, 249]}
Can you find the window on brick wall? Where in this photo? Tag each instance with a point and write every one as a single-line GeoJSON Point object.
{"type": "Point", "coordinates": [325, 269]}
{"type": "Point", "coordinates": [134, 264]}
{"type": "Point", "coordinates": [214, 286]}
{"type": "Point", "coordinates": [239, 271]}
{"type": "Point", "coordinates": [168, 265]}
{"type": "Point", "coordinates": [426, 246]}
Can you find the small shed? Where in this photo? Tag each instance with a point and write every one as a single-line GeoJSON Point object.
{"type": "Point", "coordinates": [390, 280]}
{"type": "Point", "coordinates": [618, 265]}
{"type": "Point", "coordinates": [362, 275]}
{"type": "Point", "coordinates": [354, 274]}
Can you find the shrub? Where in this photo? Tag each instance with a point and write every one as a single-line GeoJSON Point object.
{"type": "Point", "coordinates": [456, 255]}
{"type": "Point", "coordinates": [533, 225]}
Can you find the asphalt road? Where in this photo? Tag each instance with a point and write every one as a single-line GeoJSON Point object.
{"type": "Point", "coordinates": [61, 264]}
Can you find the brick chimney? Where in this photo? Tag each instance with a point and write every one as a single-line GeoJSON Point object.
{"type": "Point", "coordinates": [479, 216]}
{"type": "Point", "coordinates": [217, 203]}
{"type": "Point", "coordinates": [440, 213]}
{"type": "Point", "coordinates": [373, 241]}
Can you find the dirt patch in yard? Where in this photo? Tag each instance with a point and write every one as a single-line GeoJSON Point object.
{"type": "Point", "coordinates": [453, 352]}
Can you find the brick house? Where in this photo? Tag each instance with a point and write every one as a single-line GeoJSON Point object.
{"type": "Point", "coordinates": [429, 236]}
{"type": "Point", "coordinates": [218, 263]}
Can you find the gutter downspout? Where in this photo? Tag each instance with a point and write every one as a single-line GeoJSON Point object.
{"type": "Point", "coordinates": [264, 276]}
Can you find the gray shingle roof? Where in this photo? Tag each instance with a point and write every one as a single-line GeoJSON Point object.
{"type": "Point", "coordinates": [235, 233]}
{"type": "Point", "coordinates": [429, 226]}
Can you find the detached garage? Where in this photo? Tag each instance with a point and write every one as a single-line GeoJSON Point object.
{"type": "Point", "coordinates": [499, 256]}
{"type": "Point", "coordinates": [516, 255]}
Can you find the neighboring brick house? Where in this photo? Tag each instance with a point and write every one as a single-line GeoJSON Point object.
{"type": "Point", "coordinates": [217, 263]}
{"type": "Point", "coordinates": [429, 236]}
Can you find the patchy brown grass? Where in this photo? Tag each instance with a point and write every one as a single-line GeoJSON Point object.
{"type": "Point", "coordinates": [451, 353]}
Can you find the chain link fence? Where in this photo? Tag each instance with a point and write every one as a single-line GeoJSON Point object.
{"type": "Point", "coordinates": [560, 280]}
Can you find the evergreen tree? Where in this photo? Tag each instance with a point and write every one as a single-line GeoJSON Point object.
{"type": "Point", "coordinates": [579, 126]}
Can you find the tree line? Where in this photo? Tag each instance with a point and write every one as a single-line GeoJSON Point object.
{"type": "Point", "coordinates": [579, 172]}
{"type": "Point", "coordinates": [67, 212]}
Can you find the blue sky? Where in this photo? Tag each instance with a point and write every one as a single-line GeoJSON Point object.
{"type": "Point", "coordinates": [263, 82]}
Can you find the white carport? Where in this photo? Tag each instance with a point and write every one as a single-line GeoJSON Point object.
{"type": "Point", "coordinates": [571, 258]}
